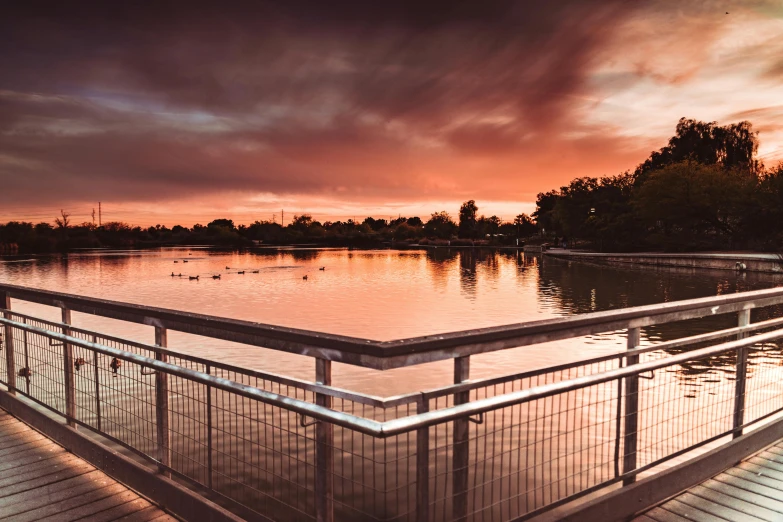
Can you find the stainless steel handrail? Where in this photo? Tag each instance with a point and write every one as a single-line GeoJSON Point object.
{"type": "Point", "coordinates": [406, 424]}
{"type": "Point", "coordinates": [383, 355]}
{"type": "Point", "coordinates": [410, 423]}
{"type": "Point", "coordinates": [413, 397]}
{"type": "Point", "coordinates": [360, 424]}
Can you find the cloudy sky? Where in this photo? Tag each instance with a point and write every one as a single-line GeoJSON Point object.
{"type": "Point", "coordinates": [185, 112]}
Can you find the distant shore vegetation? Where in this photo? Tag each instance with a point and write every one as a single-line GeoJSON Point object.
{"type": "Point", "coordinates": [439, 229]}
{"type": "Point", "coordinates": [705, 190]}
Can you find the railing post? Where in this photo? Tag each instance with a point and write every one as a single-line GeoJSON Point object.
{"type": "Point", "coordinates": [25, 351]}
{"type": "Point", "coordinates": [10, 364]}
{"type": "Point", "coordinates": [162, 406]}
{"type": "Point", "coordinates": [631, 409]}
{"type": "Point", "coordinates": [97, 385]}
{"type": "Point", "coordinates": [742, 373]}
{"type": "Point", "coordinates": [422, 465]}
{"type": "Point", "coordinates": [69, 378]}
{"type": "Point", "coordinates": [461, 449]}
{"type": "Point", "coordinates": [209, 431]}
{"type": "Point", "coordinates": [324, 455]}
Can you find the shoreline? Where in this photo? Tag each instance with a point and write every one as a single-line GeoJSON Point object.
{"type": "Point", "coordinates": [730, 261]}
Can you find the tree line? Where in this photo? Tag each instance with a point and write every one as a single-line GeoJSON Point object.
{"type": "Point", "coordinates": [440, 228]}
{"type": "Point", "coordinates": [705, 190]}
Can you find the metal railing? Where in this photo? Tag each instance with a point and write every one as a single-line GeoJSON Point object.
{"type": "Point", "coordinates": [504, 448]}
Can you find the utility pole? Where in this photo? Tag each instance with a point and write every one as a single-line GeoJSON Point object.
{"type": "Point", "coordinates": [93, 217]}
{"type": "Point", "coordinates": [282, 217]}
{"type": "Point", "coordinates": [99, 215]}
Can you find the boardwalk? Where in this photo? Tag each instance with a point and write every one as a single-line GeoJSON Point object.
{"type": "Point", "coordinates": [41, 481]}
{"type": "Point", "coordinates": [520, 444]}
{"type": "Point", "coordinates": [751, 491]}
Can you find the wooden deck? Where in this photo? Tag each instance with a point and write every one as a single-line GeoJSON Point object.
{"type": "Point", "coordinates": [41, 481]}
{"type": "Point", "coordinates": [752, 491]}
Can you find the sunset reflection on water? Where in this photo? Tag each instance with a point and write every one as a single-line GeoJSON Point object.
{"type": "Point", "coordinates": [377, 294]}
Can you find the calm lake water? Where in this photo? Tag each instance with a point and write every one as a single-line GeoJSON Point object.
{"type": "Point", "coordinates": [379, 294]}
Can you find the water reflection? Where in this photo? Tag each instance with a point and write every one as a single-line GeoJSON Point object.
{"type": "Point", "coordinates": [381, 294]}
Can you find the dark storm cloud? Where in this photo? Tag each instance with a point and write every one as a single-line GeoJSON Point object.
{"type": "Point", "coordinates": [110, 100]}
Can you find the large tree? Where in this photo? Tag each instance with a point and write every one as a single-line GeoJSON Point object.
{"type": "Point", "coordinates": [468, 219]}
{"type": "Point", "coordinates": [732, 146]}
{"type": "Point", "coordinates": [694, 205]}
{"type": "Point", "coordinates": [440, 225]}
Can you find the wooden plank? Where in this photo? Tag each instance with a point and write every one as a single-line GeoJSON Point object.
{"type": "Point", "coordinates": [127, 499]}
{"type": "Point", "coordinates": [772, 457]}
{"type": "Point", "coordinates": [69, 502]}
{"type": "Point", "coordinates": [690, 512]}
{"type": "Point", "coordinates": [16, 440]}
{"type": "Point", "coordinates": [116, 512]}
{"type": "Point", "coordinates": [745, 510]}
{"type": "Point", "coordinates": [623, 503]}
{"type": "Point", "coordinates": [26, 458]}
{"type": "Point", "coordinates": [76, 469]}
{"type": "Point", "coordinates": [775, 507]}
{"type": "Point", "coordinates": [715, 509]}
{"type": "Point", "coordinates": [747, 481]}
{"type": "Point", "coordinates": [775, 448]}
{"type": "Point", "coordinates": [15, 428]}
{"type": "Point", "coordinates": [661, 515]}
{"type": "Point", "coordinates": [44, 451]}
{"type": "Point", "coordinates": [760, 461]}
{"type": "Point", "coordinates": [165, 517]}
{"type": "Point", "coordinates": [7, 426]}
{"type": "Point", "coordinates": [759, 471]}
{"type": "Point", "coordinates": [23, 434]}
{"type": "Point", "coordinates": [8, 431]}
{"type": "Point", "coordinates": [144, 515]}
{"type": "Point", "coordinates": [184, 503]}
{"type": "Point", "coordinates": [79, 493]}
{"type": "Point", "coordinates": [644, 518]}
{"type": "Point", "coordinates": [39, 469]}
{"type": "Point", "coordinates": [94, 480]}
{"type": "Point", "coordinates": [25, 446]}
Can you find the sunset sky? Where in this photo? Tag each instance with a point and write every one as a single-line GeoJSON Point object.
{"type": "Point", "coordinates": [181, 113]}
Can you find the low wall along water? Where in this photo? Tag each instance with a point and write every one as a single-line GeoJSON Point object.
{"type": "Point", "coordinates": [768, 263]}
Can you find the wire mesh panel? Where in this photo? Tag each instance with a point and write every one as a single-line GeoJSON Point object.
{"type": "Point", "coordinates": [764, 388]}
{"type": "Point", "coordinates": [683, 406]}
{"type": "Point", "coordinates": [527, 456]}
{"type": "Point", "coordinates": [39, 363]}
{"type": "Point", "coordinates": [498, 463]}
{"type": "Point", "coordinates": [262, 457]}
{"type": "Point", "coordinates": [374, 479]}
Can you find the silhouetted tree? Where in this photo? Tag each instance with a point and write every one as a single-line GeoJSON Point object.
{"type": "Point", "coordinates": [440, 225]}
{"type": "Point", "coordinates": [525, 226]}
{"type": "Point", "coordinates": [467, 219]}
{"type": "Point", "coordinates": [732, 146]}
{"type": "Point", "coordinates": [694, 205]}
{"type": "Point", "coordinates": [225, 223]}
{"type": "Point", "coordinates": [63, 222]}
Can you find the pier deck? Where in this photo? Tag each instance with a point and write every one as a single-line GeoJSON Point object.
{"type": "Point", "coordinates": [41, 481]}
{"type": "Point", "coordinates": [532, 442]}
{"type": "Point", "coordinates": [750, 491]}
